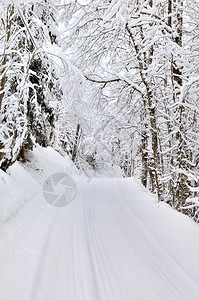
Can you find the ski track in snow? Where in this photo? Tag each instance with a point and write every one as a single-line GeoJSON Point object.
{"type": "Point", "coordinates": [167, 258]}
{"type": "Point", "coordinates": [112, 243]}
{"type": "Point", "coordinates": [107, 287]}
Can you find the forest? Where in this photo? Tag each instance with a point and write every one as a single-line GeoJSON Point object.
{"type": "Point", "coordinates": [110, 82]}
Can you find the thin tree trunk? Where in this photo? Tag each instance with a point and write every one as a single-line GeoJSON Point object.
{"type": "Point", "coordinates": [7, 24]}
{"type": "Point", "coordinates": [75, 146]}
{"type": "Point", "coordinates": [151, 107]}
{"type": "Point", "coordinates": [181, 189]}
{"type": "Point", "coordinates": [7, 27]}
{"type": "Point", "coordinates": [144, 144]}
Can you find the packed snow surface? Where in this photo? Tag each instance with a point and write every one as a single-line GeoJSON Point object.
{"type": "Point", "coordinates": [113, 242]}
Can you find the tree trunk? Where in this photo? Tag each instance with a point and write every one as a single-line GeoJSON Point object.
{"type": "Point", "coordinates": [144, 144]}
{"type": "Point", "coordinates": [177, 22]}
{"type": "Point", "coordinates": [7, 24]}
{"type": "Point", "coordinates": [75, 146]}
{"type": "Point", "coordinates": [144, 62]}
{"type": "Point", "coordinates": [7, 27]}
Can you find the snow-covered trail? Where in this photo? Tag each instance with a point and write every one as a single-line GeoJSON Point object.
{"type": "Point", "coordinates": [114, 242]}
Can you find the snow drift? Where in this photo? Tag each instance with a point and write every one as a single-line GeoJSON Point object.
{"type": "Point", "coordinates": [23, 181]}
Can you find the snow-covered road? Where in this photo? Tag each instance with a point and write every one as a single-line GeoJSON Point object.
{"type": "Point", "coordinates": [114, 242]}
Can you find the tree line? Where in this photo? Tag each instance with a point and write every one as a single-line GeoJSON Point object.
{"type": "Point", "coordinates": [107, 82]}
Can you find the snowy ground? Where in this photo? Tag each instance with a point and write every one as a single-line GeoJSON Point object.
{"type": "Point", "coordinates": [113, 242]}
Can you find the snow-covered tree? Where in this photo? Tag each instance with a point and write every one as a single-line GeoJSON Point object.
{"type": "Point", "coordinates": [28, 78]}
{"type": "Point", "coordinates": [142, 59]}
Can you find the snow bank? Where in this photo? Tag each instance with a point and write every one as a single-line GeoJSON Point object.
{"type": "Point", "coordinates": [43, 162]}
{"type": "Point", "coordinates": [17, 186]}
{"type": "Point", "coordinates": [23, 181]}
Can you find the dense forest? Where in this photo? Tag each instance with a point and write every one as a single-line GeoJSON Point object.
{"type": "Point", "coordinates": [108, 82]}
